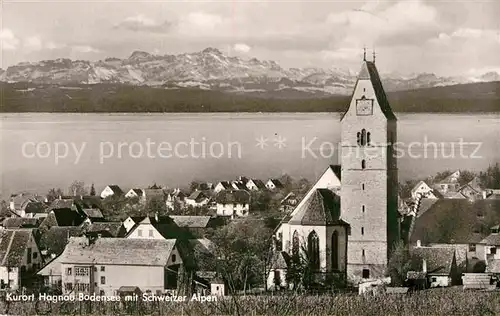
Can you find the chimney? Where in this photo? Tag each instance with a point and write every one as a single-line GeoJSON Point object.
{"type": "Point", "coordinates": [419, 244]}
{"type": "Point", "coordinates": [156, 217]}
{"type": "Point", "coordinates": [484, 195]}
{"type": "Point", "coordinates": [424, 266]}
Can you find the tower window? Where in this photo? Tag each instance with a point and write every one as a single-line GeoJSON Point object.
{"type": "Point", "coordinates": [366, 274]}
{"type": "Point", "coordinates": [362, 186]}
{"type": "Point", "coordinates": [362, 230]}
{"type": "Point", "coordinates": [363, 208]}
{"type": "Point", "coordinates": [363, 164]}
{"type": "Point", "coordinates": [363, 252]}
{"type": "Point", "coordinates": [368, 140]}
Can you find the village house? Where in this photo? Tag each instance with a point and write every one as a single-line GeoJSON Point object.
{"type": "Point", "coordinates": [439, 265]}
{"type": "Point", "coordinates": [27, 203]}
{"type": "Point", "coordinates": [473, 190]}
{"type": "Point", "coordinates": [62, 217]}
{"type": "Point", "coordinates": [197, 199]}
{"type": "Point", "coordinates": [449, 186]}
{"type": "Point", "coordinates": [97, 265]}
{"type": "Point", "coordinates": [490, 250]}
{"type": "Point", "coordinates": [233, 203]}
{"type": "Point", "coordinates": [288, 202]}
{"type": "Point", "coordinates": [274, 184]}
{"type": "Point", "coordinates": [19, 258]}
{"type": "Point", "coordinates": [175, 196]}
{"type": "Point", "coordinates": [134, 193]}
{"type": "Point", "coordinates": [276, 279]}
{"type": "Point", "coordinates": [222, 185]}
{"type": "Point", "coordinates": [51, 273]}
{"type": "Point", "coordinates": [239, 185]}
{"type": "Point", "coordinates": [111, 190]}
{"type": "Point", "coordinates": [421, 189]}
{"type": "Point", "coordinates": [255, 185]}
{"type": "Point", "coordinates": [53, 240]}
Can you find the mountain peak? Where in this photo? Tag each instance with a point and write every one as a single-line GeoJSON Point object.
{"type": "Point", "coordinates": [212, 50]}
{"type": "Point", "coordinates": [139, 55]}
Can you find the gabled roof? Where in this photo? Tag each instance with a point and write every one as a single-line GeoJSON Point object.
{"type": "Point", "coordinates": [138, 192]}
{"type": "Point", "coordinates": [225, 184]}
{"type": "Point", "coordinates": [258, 183]}
{"type": "Point", "coordinates": [21, 222]}
{"type": "Point", "coordinates": [191, 221]}
{"type": "Point", "coordinates": [118, 251]}
{"type": "Point", "coordinates": [233, 196]}
{"type": "Point", "coordinates": [197, 196]}
{"type": "Point", "coordinates": [13, 244]}
{"type": "Point", "coordinates": [370, 72]}
{"type": "Point", "coordinates": [425, 205]}
{"type": "Point", "coordinates": [238, 185]}
{"type": "Point", "coordinates": [337, 170]}
{"type": "Point", "coordinates": [439, 260]}
{"type": "Point", "coordinates": [116, 189]}
{"type": "Point", "coordinates": [62, 203]}
{"type": "Point", "coordinates": [418, 185]}
{"type": "Point", "coordinates": [93, 213]}
{"type": "Point", "coordinates": [277, 183]}
{"type": "Point", "coordinates": [55, 239]}
{"type": "Point", "coordinates": [321, 208]}
{"type": "Point", "coordinates": [64, 217]}
{"type": "Point", "coordinates": [115, 229]}
{"type": "Point", "coordinates": [491, 240]}
{"type": "Point", "coordinates": [456, 221]}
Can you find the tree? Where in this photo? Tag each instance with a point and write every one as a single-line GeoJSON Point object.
{"type": "Point", "coordinates": [194, 185]}
{"type": "Point", "coordinates": [287, 182]}
{"type": "Point", "coordinates": [465, 177]}
{"type": "Point", "coordinates": [117, 207]}
{"type": "Point", "coordinates": [491, 177]}
{"type": "Point", "coordinates": [302, 186]}
{"type": "Point", "coordinates": [77, 188]}
{"type": "Point", "coordinates": [4, 209]}
{"type": "Point", "coordinates": [242, 247]}
{"type": "Point", "coordinates": [400, 263]}
{"type": "Point", "coordinates": [405, 188]}
{"type": "Point", "coordinates": [54, 194]}
{"type": "Point", "coordinates": [92, 190]}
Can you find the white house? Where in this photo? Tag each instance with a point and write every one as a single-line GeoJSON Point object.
{"type": "Point", "coordinates": [223, 185]}
{"type": "Point", "coordinates": [234, 203]}
{"type": "Point", "coordinates": [19, 256]}
{"type": "Point", "coordinates": [255, 185]}
{"type": "Point", "coordinates": [423, 190]}
{"type": "Point", "coordinates": [134, 193]}
{"type": "Point", "coordinates": [274, 184]}
{"type": "Point", "coordinates": [175, 196]}
{"type": "Point", "coordinates": [98, 265]}
{"type": "Point", "coordinates": [111, 190]}
{"type": "Point", "coordinates": [197, 199]}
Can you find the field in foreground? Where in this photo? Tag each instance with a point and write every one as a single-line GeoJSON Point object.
{"type": "Point", "coordinates": [431, 302]}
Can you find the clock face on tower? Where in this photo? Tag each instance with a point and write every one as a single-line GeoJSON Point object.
{"type": "Point", "coordinates": [364, 106]}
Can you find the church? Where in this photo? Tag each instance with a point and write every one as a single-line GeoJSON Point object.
{"type": "Point", "coordinates": [347, 223]}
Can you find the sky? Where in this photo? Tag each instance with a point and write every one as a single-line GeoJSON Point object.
{"type": "Point", "coordinates": [409, 36]}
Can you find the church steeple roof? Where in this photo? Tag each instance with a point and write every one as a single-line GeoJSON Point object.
{"type": "Point", "coordinates": [369, 72]}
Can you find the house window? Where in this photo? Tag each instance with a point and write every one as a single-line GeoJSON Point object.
{"type": "Point", "coordinates": [363, 164]}
{"type": "Point", "coordinates": [29, 256]}
{"type": "Point", "coordinates": [35, 255]}
{"type": "Point", "coordinates": [139, 232]}
{"type": "Point", "coordinates": [472, 247]}
{"type": "Point", "coordinates": [174, 258]}
{"type": "Point", "coordinates": [362, 230]}
{"type": "Point", "coordinates": [101, 293]}
{"type": "Point", "coordinates": [493, 250]}
{"type": "Point", "coordinates": [433, 279]}
{"type": "Point", "coordinates": [103, 280]}
{"type": "Point", "coordinates": [151, 233]}
{"type": "Point", "coordinates": [103, 268]}
{"type": "Point", "coordinates": [80, 271]}
{"type": "Point", "coordinates": [95, 269]}
{"type": "Point", "coordinates": [217, 288]}
{"type": "Point", "coordinates": [366, 274]}
{"type": "Point", "coordinates": [68, 286]}
{"type": "Point", "coordinates": [69, 271]}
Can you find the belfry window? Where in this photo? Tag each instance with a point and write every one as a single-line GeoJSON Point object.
{"type": "Point", "coordinates": [363, 138]}
{"type": "Point", "coordinates": [368, 140]}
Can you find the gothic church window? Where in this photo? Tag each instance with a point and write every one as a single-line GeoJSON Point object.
{"type": "Point", "coordinates": [313, 250]}
{"type": "Point", "coordinates": [295, 245]}
{"type": "Point", "coordinates": [335, 249]}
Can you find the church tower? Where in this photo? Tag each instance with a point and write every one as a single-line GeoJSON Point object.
{"type": "Point", "coordinates": [369, 177]}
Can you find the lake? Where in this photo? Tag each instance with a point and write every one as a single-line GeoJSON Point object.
{"type": "Point", "coordinates": [173, 149]}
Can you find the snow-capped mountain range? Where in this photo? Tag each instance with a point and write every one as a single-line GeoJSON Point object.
{"type": "Point", "coordinates": [212, 69]}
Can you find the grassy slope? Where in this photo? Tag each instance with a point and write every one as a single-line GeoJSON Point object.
{"type": "Point", "coordinates": [479, 97]}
